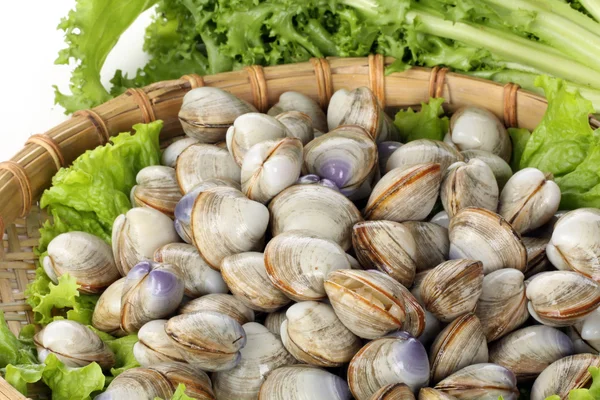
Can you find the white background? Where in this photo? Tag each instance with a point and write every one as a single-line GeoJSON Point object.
{"type": "Point", "coordinates": [29, 44]}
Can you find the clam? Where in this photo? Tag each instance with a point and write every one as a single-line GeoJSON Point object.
{"type": "Point", "coordinates": [407, 194]}
{"type": "Point", "coordinates": [394, 391]}
{"type": "Point", "coordinates": [138, 384]}
{"type": "Point", "coordinates": [416, 315]}
{"type": "Point", "coordinates": [460, 344]}
{"type": "Point", "coordinates": [469, 185]}
{"type": "Point", "coordinates": [575, 243]}
{"type": "Point", "coordinates": [246, 276]}
{"type": "Point", "coordinates": [529, 200]}
{"type": "Point", "coordinates": [201, 162]}
{"type": "Point", "coordinates": [562, 298]}
{"type": "Point", "coordinates": [586, 334]}
{"type": "Point", "coordinates": [479, 234]}
{"type": "Point", "coordinates": [434, 394]}
{"type": "Point", "coordinates": [151, 291]}
{"type": "Point", "coordinates": [225, 222]}
{"type": "Point", "coordinates": [473, 128]}
{"type": "Point", "coordinates": [433, 244]}
{"type": "Point", "coordinates": [311, 179]}
{"type": "Point", "coordinates": [198, 277]}
{"type": "Point", "coordinates": [442, 219]}
{"type": "Point", "coordinates": [207, 113]}
{"type": "Point", "coordinates": [156, 188]}
{"type": "Point", "coordinates": [318, 209]}
{"type": "Point", "coordinates": [298, 124]}
{"type": "Point", "coordinates": [274, 320]}
{"type": "Point", "coordinates": [347, 156]}
{"type": "Point", "coordinates": [270, 167]}
{"type": "Point", "coordinates": [502, 306]}
{"type": "Point", "coordinates": [433, 326]}
{"type": "Point", "coordinates": [528, 351]}
{"type": "Point", "coordinates": [564, 375]}
{"type": "Point", "coordinates": [452, 288]}
{"type": "Point", "coordinates": [84, 257]}
{"type": "Point", "coordinates": [537, 260]}
{"type": "Point", "coordinates": [303, 382]}
{"type": "Point", "coordinates": [250, 129]}
{"type": "Point", "coordinates": [208, 339]}
{"type": "Point", "coordinates": [137, 234]}
{"type": "Point", "coordinates": [74, 344]}
{"type": "Point", "coordinates": [360, 107]}
{"type": "Point", "coordinates": [171, 153]}
{"type": "Point", "coordinates": [377, 364]}
{"type": "Point", "coordinates": [481, 381]}
{"type": "Point", "coordinates": [423, 151]}
{"type": "Point", "coordinates": [499, 167]}
{"type": "Point", "coordinates": [224, 304]}
{"type": "Point", "coordinates": [294, 101]}
{"type": "Point", "coordinates": [369, 303]}
{"type": "Point", "coordinates": [298, 262]}
{"type": "Point", "coordinates": [183, 209]}
{"type": "Point", "coordinates": [197, 383]}
{"type": "Point", "coordinates": [154, 346]}
{"type": "Point", "coordinates": [262, 354]}
{"type": "Point", "coordinates": [387, 246]}
{"type": "Point", "coordinates": [385, 150]}
{"type": "Point", "coordinates": [107, 312]}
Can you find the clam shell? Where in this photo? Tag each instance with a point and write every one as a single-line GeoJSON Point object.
{"type": "Point", "coordinates": [499, 167]}
{"type": "Point", "coordinates": [376, 365]}
{"type": "Point", "coordinates": [154, 346]}
{"type": "Point", "coordinates": [294, 101]}
{"type": "Point", "coordinates": [433, 326]}
{"type": "Point", "coordinates": [460, 344]}
{"type": "Point", "coordinates": [250, 129]}
{"type": "Point", "coordinates": [481, 381]}
{"type": "Point", "coordinates": [423, 151]}
{"type": "Point", "coordinates": [303, 382]}
{"type": "Point", "coordinates": [225, 222]}
{"type": "Point", "coordinates": [246, 276]}
{"type": "Point", "coordinates": [483, 235]}
{"type": "Point", "coordinates": [346, 156]}
{"type": "Point", "coordinates": [405, 194]}
{"type": "Point", "coordinates": [274, 320]}
{"type": "Point", "coordinates": [156, 188]}
{"type": "Point", "coordinates": [221, 303]}
{"type": "Point", "coordinates": [385, 150]}
{"type": "Point", "coordinates": [529, 200]}
{"type": "Point", "coordinates": [84, 257]}
{"type": "Point", "coordinates": [442, 219]}
{"type": "Point", "coordinates": [469, 185]}
{"type": "Point", "coordinates": [137, 234]}
{"type": "Point", "coordinates": [564, 375]}
{"type": "Point", "coordinates": [433, 394]}
{"type": "Point", "coordinates": [452, 288]}
{"type": "Point", "coordinates": [298, 262]}
{"type": "Point", "coordinates": [562, 298]}
{"type": "Point", "coordinates": [74, 344]}
{"type": "Point", "coordinates": [262, 354]}
{"type": "Point", "coordinates": [537, 260]}
{"type": "Point", "coordinates": [528, 351]}
{"type": "Point", "coordinates": [473, 128]}
{"type": "Point", "coordinates": [171, 153]}
{"type": "Point", "coordinates": [434, 244]}
{"type": "Point", "coordinates": [201, 162]}
{"type": "Point", "coordinates": [368, 303]}
{"type": "Point", "coordinates": [207, 112]}
{"type": "Point", "coordinates": [414, 322]}
{"type": "Point", "coordinates": [590, 330]}
{"type": "Point", "coordinates": [208, 339]}
{"type": "Point", "coordinates": [313, 334]}
{"type": "Point", "coordinates": [197, 383]}
{"type": "Point", "coordinates": [394, 391]}
{"type": "Point", "coordinates": [316, 208]}
{"type": "Point", "coordinates": [138, 384]}
{"type": "Point", "coordinates": [575, 243]}
{"type": "Point", "coordinates": [387, 246]}
{"type": "Point", "coordinates": [107, 312]}
{"type": "Point", "coordinates": [502, 306]}
{"type": "Point", "coordinates": [298, 124]}
{"type": "Point", "coordinates": [198, 277]}
{"type": "Point", "coordinates": [270, 167]}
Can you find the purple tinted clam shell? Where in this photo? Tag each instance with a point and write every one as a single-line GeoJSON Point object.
{"type": "Point", "coordinates": [410, 359]}
{"type": "Point", "coordinates": [139, 270]}
{"type": "Point", "coordinates": [162, 283]}
{"type": "Point", "coordinates": [308, 179]}
{"type": "Point", "coordinates": [385, 150]}
{"type": "Point", "coordinates": [329, 184]}
{"type": "Point", "coordinates": [337, 171]}
{"type": "Point", "coordinates": [183, 209]}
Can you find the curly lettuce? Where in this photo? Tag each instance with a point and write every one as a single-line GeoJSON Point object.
{"type": "Point", "coordinates": [427, 123]}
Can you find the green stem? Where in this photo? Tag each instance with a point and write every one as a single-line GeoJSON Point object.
{"type": "Point", "coordinates": [563, 9]}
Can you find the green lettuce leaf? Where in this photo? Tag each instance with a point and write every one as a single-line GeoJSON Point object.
{"type": "Point", "coordinates": [72, 383]}
{"type": "Point", "coordinates": [123, 349]}
{"type": "Point", "coordinates": [428, 123]}
{"type": "Point", "coordinates": [519, 137]}
{"type": "Point", "coordinates": [22, 374]}
{"type": "Point", "coordinates": [179, 394]}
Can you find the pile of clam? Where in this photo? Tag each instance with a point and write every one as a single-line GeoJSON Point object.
{"type": "Point", "coordinates": [296, 255]}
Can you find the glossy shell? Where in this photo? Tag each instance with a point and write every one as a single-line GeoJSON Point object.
{"type": "Point", "coordinates": [298, 124]}
{"type": "Point", "coordinates": [564, 375]}
{"type": "Point", "coordinates": [171, 153]}
{"type": "Point", "coordinates": [156, 188]}
{"type": "Point", "coordinates": [433, 244]}
{"type": "Point", "coordinates": [107, 312]}
{"type": "Point", "coordinates": [481, 381]}
{"type": "Point", "coordinates": [499, 167]}
{"type": "Point", "coordinates": [201, 162]}
{"type": "Point", "coordinates": [221, 303]}
{"type": "Point", "coordinates": [154, 346]}
{"type": "Point", "coordinates": [303, 382]}
{"type": "Point", "coordinates": [423, 151]}
{"type": "Point", "coordinates": [294, 101]}
{"type": "Point", "coordinates": [394, 391]}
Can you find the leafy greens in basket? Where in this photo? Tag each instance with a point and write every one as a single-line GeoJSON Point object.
{"type": "Point", "coordinates": [501, 40]}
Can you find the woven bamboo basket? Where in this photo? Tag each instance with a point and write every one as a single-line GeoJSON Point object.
{"type": "Point", "coordinates": [29, 172]}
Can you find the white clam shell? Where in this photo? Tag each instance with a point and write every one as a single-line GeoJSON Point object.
{"type": "Point", "coordinates": [156, 188]}
{"type": "Point", "coordinates": [294, 101]}
{"type": "Point", "coordinates": [575, 243]}
{"type": "Point", "coordinates": [316, 208]}
{"type": "Point", "coordinates": [481, 381]}
{"type": "Point", "coordinates": [442, 219]}
{"type": "Point", "coordinates": [270, 167]}
{"type": "Point", "coordinates": [529, 200]}
{"type": "Point", "coordinates": [393, 391]}
{"type": "Point", "coordinates": [298, 262]}
{"type": "Point", "coordinates": [298, 124]}
{"type": "Point", "coordinates": [537, 259]}
{"type": "Point", "coordinates": [433, 244]}
{"type": "Point", "coordinates": [274, 320]}
{"type": "Point", "coordinates": [224, 304]}
{"type": "Point", "coordinates": [197, 383]}
{"type": "Point", "coordinates": [423, 151]}
{"type": "Point", "coordinates": [201, 162]}
{"type": "Point", "coordinates": [154, 346]}
{"type": "Point", "coordinates": [434, 394]}
{"type": "Point", "coordinates": [138, 384]}
{"type": "Point", "coordinates": [225, 222]}
{"type": "Point", "coordinates": [107, 312]}
{"type": "Point", "coordinates": [564, 375]}
{"type": "Point", "coordinates": [499, 167]}
{"type": "Point", "coordinates": [171, 153]}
